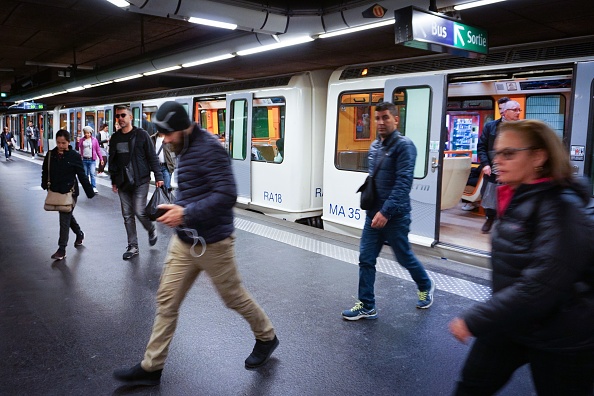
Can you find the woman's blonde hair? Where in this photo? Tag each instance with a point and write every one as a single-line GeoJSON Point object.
{"type": "Point", "coordinates": [539, 136]}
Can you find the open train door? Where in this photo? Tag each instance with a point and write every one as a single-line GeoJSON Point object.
{"type": "Point", "coordinates": [238, 135]}
{"type": "Point", "coordinates": [582, 122]}
{"type": "Point", "coordinates": [422, 102]}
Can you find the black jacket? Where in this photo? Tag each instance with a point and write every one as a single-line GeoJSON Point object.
{"type": "Point", "coordinates": [144, 158]}
{"type": "Point", "coordinates": [64, 171]}
{"type": "Point", "coordinates": [486, 144]}
{"type": "Point", "coordinates": [543, 272]}
{"type": "Point", "coordinates": [206, 187]}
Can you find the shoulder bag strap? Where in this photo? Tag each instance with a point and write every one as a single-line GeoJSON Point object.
{"type": "Point", "coordinates": [383, 156]}
{"type": "Point", "coordinates": [49, 157]}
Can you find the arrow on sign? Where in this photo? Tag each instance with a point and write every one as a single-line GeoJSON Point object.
{"type": "Point", "coordinates": [458, 35]}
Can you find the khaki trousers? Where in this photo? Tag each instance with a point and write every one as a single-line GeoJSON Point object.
{"type": "Point", "coordinates": [179, 273]}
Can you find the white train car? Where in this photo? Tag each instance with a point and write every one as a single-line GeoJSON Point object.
{"type": "Point", "coordinates": [443, 103]}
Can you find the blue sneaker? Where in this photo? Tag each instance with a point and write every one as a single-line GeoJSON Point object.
{"type": "Point", "coordinates": [426, 297]}
{"type": "Point", "coordinates": [359, 312]}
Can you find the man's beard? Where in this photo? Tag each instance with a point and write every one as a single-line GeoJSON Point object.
{"type": "Point", "coordinates": [177, 147]}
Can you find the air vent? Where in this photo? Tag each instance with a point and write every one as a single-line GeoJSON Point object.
{"type": "Point", "coordinates": [516, 54]}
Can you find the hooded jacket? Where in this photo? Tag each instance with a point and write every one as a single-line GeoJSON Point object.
{"type": "Point", "coordinates": [63, 172]}
{"type": "Point", "coordinates": [543, 271]}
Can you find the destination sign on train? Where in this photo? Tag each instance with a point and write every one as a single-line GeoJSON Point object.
{"type": "Point", "coordinates": [431, 31]}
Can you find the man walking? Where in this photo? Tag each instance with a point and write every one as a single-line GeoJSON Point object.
{"type": "Point", "coordinates": [32, 133]}
{"type": "Point", "coordinates": [132, 157]}
{"type": "Point", "coordinates": [203, 212]}
{"type": "Point", "coordinates": [394, 157]}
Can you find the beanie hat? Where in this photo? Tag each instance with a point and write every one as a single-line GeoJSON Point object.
{"type": "Point", "coordinates": [171, 117]}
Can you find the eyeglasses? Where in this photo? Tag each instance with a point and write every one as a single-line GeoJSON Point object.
{"type": "Point", "coordinates": [509, 153]}
{"type": "Point", "coordinates": [514, 110]}
{"type": "Point", "coordinates": [122, 115]}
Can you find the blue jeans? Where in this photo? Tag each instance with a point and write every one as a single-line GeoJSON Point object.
{"type": "Point", "coordinates": [133, 204]}
{"type": "Point", "coordinates": [7, 150]}
{"type": "Point", "coordinates": [166, 176]}
{"type": "Point", "coordinates": [89, 165]}
{"type": "Point", "coordinates": [395, 233]}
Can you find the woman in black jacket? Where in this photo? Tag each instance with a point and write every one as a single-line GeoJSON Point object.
{"type": "Point", "coordinates": [64, 165]}
{"type": "Point", "coordinates": [542, 309]}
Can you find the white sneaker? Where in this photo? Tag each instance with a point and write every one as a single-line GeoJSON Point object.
{"type": "Point", "coordinates": [468, 206]}
{"type": "Point", "coordinates": [95, 190]}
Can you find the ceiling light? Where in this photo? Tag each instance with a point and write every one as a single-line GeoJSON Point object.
{"type": "Point", "coordinates": [210, 22]}
{"type": "Point", "coordinates": [75, 89]}
{"type": "Point", "coordinates": [119, 3]}
{"type": "Point", "coordinates": [162, 70]}
{"type": "Point", "coordinates": [128, 78]}
{"type": "Point", "coordinates": [99, 84]}
{"type": "Point", "coordinates": [359, 28]}
{"type": "Point", "coordinates": [208, 60]}
{"type": "Point", "coordinates": [287, 43]}
{"type": "Point", "coordinates": [473, 4]}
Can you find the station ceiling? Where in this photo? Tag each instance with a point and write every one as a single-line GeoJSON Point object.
{"type": "Point", "coordinates": [41, 40]}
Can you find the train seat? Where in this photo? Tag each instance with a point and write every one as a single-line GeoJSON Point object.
{"type": "Point", "coordinates": [473, 193]}
{"type": "Point", "coordinates": [352, 160]}
{"type": "Point", "coordinates": [454, 178]}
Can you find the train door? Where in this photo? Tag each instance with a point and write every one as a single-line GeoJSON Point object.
{"type": "Point", "coordinates": [136, 108]}
{"type": "Point", "coordinates": [582, 121]}
{"type": "Point", "coordinates": [421, 105]}
{"type": "Point", "coordinates": [238, 135]}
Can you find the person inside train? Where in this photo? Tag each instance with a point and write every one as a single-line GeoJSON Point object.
{"type": "Point", "coordinates": [280, 146]}
{"type": "Point", "coordinates": [484, 148]}
{"type": "Point", "coordinates": [203, 212]}
{"type": "Point", "coordinates": [542, 305]}
{"type": "Point", "coordinates": [394, 156]}
{"type": "Point", "coordinates": [89, 150]}
{"type": "Point", "coordinates": [60, 168]}
{"type": "Point", "coordinates": [132, 157]}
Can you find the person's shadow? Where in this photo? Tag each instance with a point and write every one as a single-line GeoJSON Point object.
{"type": "Point", "coordinates": [137, 389]}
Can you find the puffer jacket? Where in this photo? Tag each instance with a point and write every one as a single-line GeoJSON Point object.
{"type": "Point", "coordinates": [486, 144]}
{"type": "Point", "coordinates": [543, 272]}
{"type": "Point", "coordinates": [206, 188]}
{"type": "Point", "coordinates": [394, 177]}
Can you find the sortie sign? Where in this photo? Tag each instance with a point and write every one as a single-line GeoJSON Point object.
{"type": "Point", "coordinates": [431, 31]}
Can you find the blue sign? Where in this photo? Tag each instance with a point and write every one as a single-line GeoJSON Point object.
{"type": "Point", "coordinates": [435, 32]}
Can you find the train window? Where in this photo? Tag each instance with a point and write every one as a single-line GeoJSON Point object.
{"type": "Point", "coordinates": [238, 138]}
{"type": "Point", "coordinates": [90, 119]}
{"type": "Point", "coordinates": [268, 129]}
{"type": "Point", "coordinates": [414, 107]}
{"type": "Point", "coordinates": [63, 121]}
{"type": "Point", "coordinates": [355, 129]}
{"type": "Point", "coordinates": [49, 129]}
{"type": "Point", "coordinates": [547, 108]}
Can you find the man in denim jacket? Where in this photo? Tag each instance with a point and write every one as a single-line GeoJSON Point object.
{"type": "Point", "coordinates": [389, 220]}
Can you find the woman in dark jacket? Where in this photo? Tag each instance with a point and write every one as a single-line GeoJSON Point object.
{"type": "Point", "coordinates": [64, 165]}
{"type": "Point", "coordinates": [542, 309]}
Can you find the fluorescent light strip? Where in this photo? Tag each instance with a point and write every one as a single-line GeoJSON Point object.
{"type": "Point", "coordinates": [128, 78]}
{"type": "Point", "coordinates": [75, 89]}
{"type": "Point", "coordinates": [288, 43]}
{"type": "Point", "coordinates": [473, 4]}
{"type": "Point", "coordinates": [162, 70]}
{"type": "Point", "coordinates": [358, 28]}
{"type": "Point", "coordinates": [210, 22]}
{"type": "Point", "coordinates": [119, 3]}
{"type": "Point", "coordinates": [209, 60]}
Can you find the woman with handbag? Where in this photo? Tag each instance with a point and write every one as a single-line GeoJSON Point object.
{"type": "Point", "coordinates": [60, 168]}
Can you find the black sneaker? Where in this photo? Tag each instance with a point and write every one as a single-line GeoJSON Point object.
{"type": "Point", "coordinates": [138, 376]}
{"type": "Point", "coordinates": [79, 239]}
{"type": "Point", "coordinates": [131, 251]}
{"type": "Point", "coordinates": [153, 237]}
{"type": "Point", "coordinates": [261, 353]}
{"type": "Point", "coordinates": [59, 255]}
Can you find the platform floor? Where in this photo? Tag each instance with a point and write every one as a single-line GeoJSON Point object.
{"type": "Point", "coordinates": [65, 326]}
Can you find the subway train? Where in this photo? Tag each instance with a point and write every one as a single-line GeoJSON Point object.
{"type": "Point", "coordinates": [299, 142]}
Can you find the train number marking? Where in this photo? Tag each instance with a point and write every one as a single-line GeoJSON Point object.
{"type": "Point", "coordinates": [351, 213]}
{"type": "Point", "coordinates": [273, 197]}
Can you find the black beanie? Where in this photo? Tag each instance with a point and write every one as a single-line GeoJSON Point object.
{"type": "Point", "coordinates": [171, 117]}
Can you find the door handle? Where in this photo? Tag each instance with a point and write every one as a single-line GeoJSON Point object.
{"type": "Point", "coordinates": [434, 164]}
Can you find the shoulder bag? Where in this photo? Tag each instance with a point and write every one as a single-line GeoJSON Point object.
{"type": "Point", "coordinates": [57, 201]}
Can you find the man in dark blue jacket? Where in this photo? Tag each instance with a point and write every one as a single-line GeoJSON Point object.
{"type": "Point", "coordinates": [202, 213]}
{"type": "Point", "coordinates": [389, 220]}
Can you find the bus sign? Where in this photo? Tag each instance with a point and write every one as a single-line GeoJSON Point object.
{"type": "Point", "coordinates": [431, 31]}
